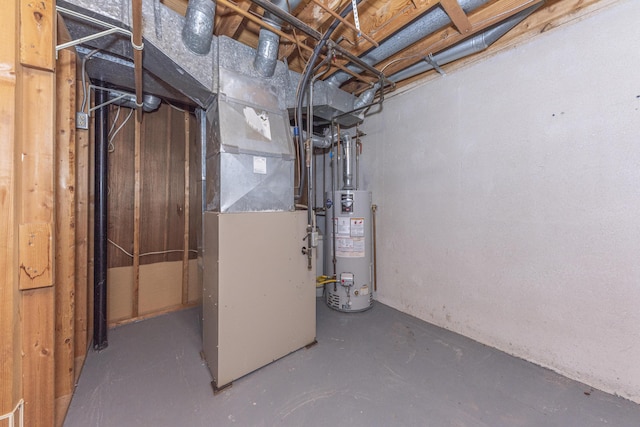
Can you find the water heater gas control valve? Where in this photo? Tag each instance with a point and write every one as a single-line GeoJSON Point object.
{"type": "Point", "coordinates": [346, 279]}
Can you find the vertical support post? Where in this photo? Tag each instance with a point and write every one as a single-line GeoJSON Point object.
{"type": "Point", "coordinates": [10, 373]}
{"type": "Point", "coordinates": [100, 225]}
{"type": "Point", "coordinates": [65, 235]}
{"type": "Point", "coordinates": [82, 278]}
{"type": "Point", "coordinates": [185, 256]}
{"type": "Point", "coordinates": [137, 186]}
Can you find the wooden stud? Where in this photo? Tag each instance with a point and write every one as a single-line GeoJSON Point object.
{"type": "Point", "coordinates": [38, 356]}
{"type": "Point", "coordinates": [37, 30]}
{"type": "Point", "coordinates": [185, 256]}
{"type": "Point", "coordinates": [10, 376]}
{"type": "Point", "coordinates": [65, 230]}
{"type": "Point", "coordinates": [167, 180]}
{"type": "Point", "coordinates": [36, 255]}
{"type": "Point", "coordinates": [37, 106]}
{"type": "Point", "coordinates": [136, 220]}
{"type": "Point", "coordinates": [81, 342]}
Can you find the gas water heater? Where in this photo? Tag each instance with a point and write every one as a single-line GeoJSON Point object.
{"type": "Point", "coordinates": [349, 243]}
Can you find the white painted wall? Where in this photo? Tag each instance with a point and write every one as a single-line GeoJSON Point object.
{"type": "Point", "coordinates": [509, 195]}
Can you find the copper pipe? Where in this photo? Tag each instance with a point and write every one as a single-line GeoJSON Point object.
{"type": "Point", "coordinates": [374, 208]}
{"type": "Point", "coordinates": [136, 6]}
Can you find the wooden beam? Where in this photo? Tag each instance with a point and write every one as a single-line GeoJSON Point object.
{"type": "Point", "coordinates": [345, 22]}
{"type": "Point", "coordinates": [179, 6]}
{"type": "Point", "coordinates": [185, 212]}
{"type": "Point", "coordinates": [37, 33]}
{"type": "Point", "coordinates": [380, 19]}
{"type": "Point", "coordinates": [65, 228]}
{"type": "Point", "coordinates": [10, 373]}
{"type": "Point", "coordinates": [229, 22]}
{"type": "Point", "coordinates": [136, 220]}
{"type": "Point", "coordinates": [457, 15]}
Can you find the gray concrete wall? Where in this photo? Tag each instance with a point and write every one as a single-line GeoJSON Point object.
{"type": "Point", "coordinates": [509, 195]}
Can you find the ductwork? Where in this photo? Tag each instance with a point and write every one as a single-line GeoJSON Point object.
{"type": "Point", "coordinates": [417, 30]}
{"type": "Point", "coordinates": [475, 44]}
{"type": "Point", "coordinates": [366, 98]}
{"type": "Point", "coordinates": [269, 42]}
{"type": "Point", "coordinates": [197, 32]}
{"type": "Point", "coordinates": [149, 102]}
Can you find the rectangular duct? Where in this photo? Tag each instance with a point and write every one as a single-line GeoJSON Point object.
{"type": "Point", "coordinates": [250, 152]}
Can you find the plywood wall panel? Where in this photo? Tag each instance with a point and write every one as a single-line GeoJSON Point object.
{"type": "Point", "coordinates": [121, 179]}
{"type": "Point", "coordinates": [155, 176]}
{"type": "Point", "coordinates": [175, 202]}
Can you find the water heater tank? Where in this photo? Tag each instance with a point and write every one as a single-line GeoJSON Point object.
{"type": "Point", "coordinates": [349, 238]}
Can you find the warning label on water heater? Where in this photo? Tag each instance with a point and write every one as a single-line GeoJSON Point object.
{"type": "Point", "coordinates": [357, 227]}
{"type": "Point", "coordinates": [350, 247]}
{"type": "Point", "coordinates": [350, 237]}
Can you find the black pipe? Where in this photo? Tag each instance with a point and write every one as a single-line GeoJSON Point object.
{"type": "Point", "coordinates": [100, 223]}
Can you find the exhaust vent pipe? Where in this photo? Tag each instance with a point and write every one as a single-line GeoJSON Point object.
{"type": "Point", "coordinates": [467, 47]}
{"type": "Point", "coordinates": [269, 42]}
{"type": "Point", "coordinates": [197, 32]}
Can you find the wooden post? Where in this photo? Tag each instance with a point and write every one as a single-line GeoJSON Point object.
{"type": "Point", "coordinates": [34, 139]}
{"type": "Point", "coordinates": [185, 255]}
{"type": "Point", "coordinates": [10, 374]}
{"type": "Point", "coordinates": [136, 220]}
{"type": "Point", "coordinates": [167, 182]}
{"type": "Point", "coordinates": [37, 95]}
{"type": "Point", "coordinates": [81, 311]}
{"type": "Point", "coordinates": [65, 231]}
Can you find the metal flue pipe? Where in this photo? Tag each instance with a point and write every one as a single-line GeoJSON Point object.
{"type": "Point", "coordinates": [197, 32]}
{"type": "Point", "coordinates": [467, 47]}
{"type": "Point", "coordinates": [417, 30]}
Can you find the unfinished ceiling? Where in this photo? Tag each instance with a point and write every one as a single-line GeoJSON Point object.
{"type": "Point", "coordinates": [403, 38]}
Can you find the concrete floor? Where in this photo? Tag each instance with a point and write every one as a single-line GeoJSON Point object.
{"type": "Point", "coordinates": [378, 368]}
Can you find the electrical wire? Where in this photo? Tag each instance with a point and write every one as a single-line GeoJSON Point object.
{"type": "Point", "coordinates": [148, 253]}
{"type": "Point", "coordinates": [111, 146]}
{"type": "Point", "coordinates": [174, 107]}
{"type": "Point", "coordinates": [84, 83]}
